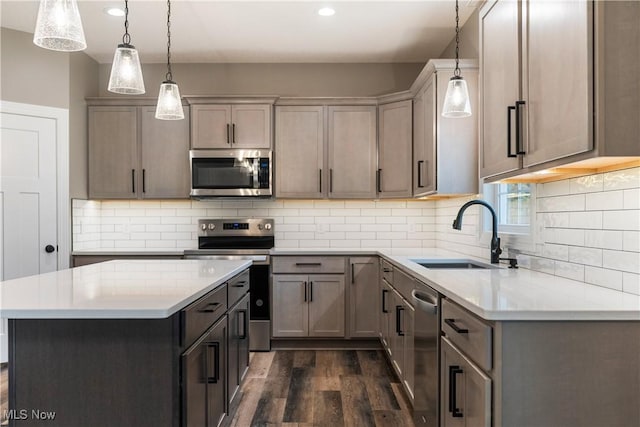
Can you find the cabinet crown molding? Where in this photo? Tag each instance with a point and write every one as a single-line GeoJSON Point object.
{"type": "Point", "coordinates": [230, 99]}
{"type": "Point", "coordinates": [327, 100]}
{"type": "Point", "coordinates": [435, 65]}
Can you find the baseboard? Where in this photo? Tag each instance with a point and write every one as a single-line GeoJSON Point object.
{"type": "Point", "coordinates": [325, 344]}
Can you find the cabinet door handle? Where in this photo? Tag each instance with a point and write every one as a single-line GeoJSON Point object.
{"type": "Point", "coordinates": [228, 134]}
{"type": "Point", "coordinates": [133, 181]}
{"type": "Point", "coordinates": [510, 108]}
{"type": "Point", "coordinates": [330, 180]}
{"type": "Point", "coordinates": [519, 148]}
{"type": "Point", "coordinates": [452, 324]}
{"type": "Point", "coordinates": [420, 163]}
{"type": "Point", "coordinates": [216, 362]}
{"type": "Point", "coordinates": [453, 405]}
{"type": "Point", "coordinates": [210, 310]}
{"type": "Point", "coordinates": [399, 310]}
{"type": "Point", "coordinates": [243, 335]}
{"type": "Point", "coordinates": [378, 179]}
{"type": "Point", "coordinates": [384, 300]}
{"type": "Point", "coordinates": [305, 291]}
{"type": "Point", "coordinates": [310, 291]}
{"type": "Point", "coordinates": [353, 274]}
{"type": "Point", "coordinates": [233, 133]}
{"type": "Point", "coordinates": [320, 179]}
{"type": "Point", "coordinates": [144, 185]}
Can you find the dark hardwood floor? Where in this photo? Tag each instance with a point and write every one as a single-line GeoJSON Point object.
{"type": "Point", "coordinates": [321, 388]}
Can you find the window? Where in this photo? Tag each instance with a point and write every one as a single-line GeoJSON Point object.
{"type": "Point", "coordinates": [513, 205]}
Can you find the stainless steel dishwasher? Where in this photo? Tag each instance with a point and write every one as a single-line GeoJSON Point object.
{"type": "Point", "coordinates": [427, 349]}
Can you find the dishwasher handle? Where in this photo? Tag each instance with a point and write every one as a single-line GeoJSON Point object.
{"type": "Point", "coordinates": [425, 302]}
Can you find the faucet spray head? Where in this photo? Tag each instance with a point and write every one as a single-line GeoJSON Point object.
{"type": "Point", "coordinates": [457, 225]}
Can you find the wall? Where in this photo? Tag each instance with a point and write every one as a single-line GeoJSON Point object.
{"type": "Point", "coordinates": [83, 82]}
{"type": "Point", "coordinates": [278, 79]}
{"type": "Point", "coordinates": [586, 229]}
{"type": "Point", "coordinates": [469, 40]}
{"type": "Point", "coordinates": [30, 74]}
{"type": "Point", "coordinates": [299, 224]}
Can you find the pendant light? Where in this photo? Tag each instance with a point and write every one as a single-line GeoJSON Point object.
{"type": "Point", "coordinates": [59, 27]}
{"type": "Point", "coordinates": [126, 73]}
{"type": "Point", "coordinates": [456, 101]}
{"type": "Point", "coordinates": [169, 103]}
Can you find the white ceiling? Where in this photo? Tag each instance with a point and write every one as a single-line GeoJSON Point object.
{"type": "Point", "coordinates": [264, 31]}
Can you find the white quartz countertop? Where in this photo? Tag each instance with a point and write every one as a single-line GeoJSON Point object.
{"type": "Point", "coordinates": [501, 294]}
{"type": "Point", "coordinates": [115, 289]}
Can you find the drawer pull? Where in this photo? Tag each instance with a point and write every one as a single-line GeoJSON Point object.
{"type": "Point", "coordinates": [384, 300]}
{"type": "Point", "coordinates": [399, 331]}
{"type": "Point", "coordinates": [452, 324]}
{"type": "Point", "coordinates": [453, 405]}
{"type": "Point", "coordinates": [209, 310]}
{"type": "Point", "coordinates": [387, 270]}
{"type": "Point", "coordinates": [239, 284]}
{"type": "Point", "coordinates": [308, 264]}
{"type": "Point", "coordinates": [216, 362]}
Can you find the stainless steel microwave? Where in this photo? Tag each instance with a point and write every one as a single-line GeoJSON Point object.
{"type": "Point", "coordinates": [230, 173]}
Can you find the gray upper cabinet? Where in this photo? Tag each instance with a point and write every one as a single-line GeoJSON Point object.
{"type": "Point", "coordinates": [326, 151]}
{"type": "Point", "coordinates": [560, 106]}
{"type": "Point", "coordinates": [133, 155]}
{"type": "Point", "coordinates": [227, 123]}
{"type": "Point", "coordinates": [300, 152]}
{"type": "Point", "coordinates": [164, 146]}
{"type": "Point", "coordinates": [444, 149]}
{"type": "Point", "coordinates": [352, 154]}
{"type": "Point", "coordinates": [394, 151]}
{"type": "Point", "coordinates": [113, 152]}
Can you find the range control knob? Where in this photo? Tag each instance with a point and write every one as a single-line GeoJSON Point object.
{"type": "Point", "coordinates": [212, 226]}
{"type": "Point", "coordinates": [203, 226]}
{"type": "Point", "coordinates": [267, 226]}
{"type": "Point", "coordinates": [259, 226]}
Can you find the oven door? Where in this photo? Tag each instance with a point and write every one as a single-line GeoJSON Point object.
{"type": "Point", "coordinates": [230, 173]}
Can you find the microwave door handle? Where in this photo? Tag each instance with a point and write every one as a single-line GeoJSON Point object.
{"type": "Point", "coordinates": [256, 173]}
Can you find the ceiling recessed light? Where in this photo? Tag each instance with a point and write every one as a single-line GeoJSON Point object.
{"type": "Point", "coordinates": [326, 11]}
{"type": "Point", "coordinates": [114, 11]}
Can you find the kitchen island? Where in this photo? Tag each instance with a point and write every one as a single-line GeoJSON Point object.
{"type": "Point", "coordinates": [115, 343]}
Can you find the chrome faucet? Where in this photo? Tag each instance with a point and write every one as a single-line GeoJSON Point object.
{"type": "Point", "coordinates": [495, 240]}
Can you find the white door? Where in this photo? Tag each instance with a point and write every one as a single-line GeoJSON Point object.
{"type": "Point", "coordinates": [28, 215]}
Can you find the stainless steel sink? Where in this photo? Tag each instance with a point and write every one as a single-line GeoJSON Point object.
{"type": "Point", "coordinates": [452, 264]}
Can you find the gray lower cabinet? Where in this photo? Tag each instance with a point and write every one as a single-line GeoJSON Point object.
{"type": "Point", "coordinates": [466, 400]}
{"type": "Point", "coordinates": [308, 305]}
{"type": "Point", "coordinates": [397, 327]}
{"type": "Point", "coordinates": [537, 373]}
{"type": "Point", "coordinates": [134, 155]}
{"type": "Point", "coordinates": [238, 361]}
{"type": "Point", "coordinates": [363, 300]}
{"type": "Point", "coordinates": [204, 378]}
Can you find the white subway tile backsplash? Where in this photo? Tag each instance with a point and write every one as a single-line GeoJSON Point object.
{"type": "Point", "coordinates": [587, 184]}
{"type": "Point", "coordinates": [631, 283]}
{"type": "Point", "coordinates": [631, 241]}
{"type": "Point", "coordinates": [602, 277]}
{"type": "Point", "coordinates": [586, 220]}
{"type": "Point", "coordinates": [566, 236]}
{"type": "Point", "coordinates": [620, 260]}
{"type": "Point", "coordinates": [585, 256]}
{"type": "Point", "coordinates": [558, 252]}
{"type": "Point", "coordinates": [609, 200]}
{"type": "Point", "coordinates": [627, 178]}
{"type": "Point", "coordinates": [603, 239]}
{"type": "Point", "coordinates": [561, 204]}
{"type": "Point", "coordinates": [632, 199]}
{"type": "Point", "coordinates": [621, 220]}
{"type": "Point", "coordinates": [569, 270]}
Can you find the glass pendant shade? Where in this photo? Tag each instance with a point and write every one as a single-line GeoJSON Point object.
{"type": "Point", "coordinates": [59, 26]}
{"type": "Point", "coordinates": [456, 101]}
{"type": "Point", "coordinates": [169, 103]}
{"type": "Point", "coordinates": [126, 72]}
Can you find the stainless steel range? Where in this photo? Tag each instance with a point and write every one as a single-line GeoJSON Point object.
{"type": "Point", "coordinates": [248, 238]}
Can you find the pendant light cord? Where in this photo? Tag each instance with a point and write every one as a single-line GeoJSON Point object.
{"type": "Point", "coordinates": [169, 76]}
{"type": "Point", "coordinates": [456, 72]}
{"type": "Point", "coordinates": [126, 38]}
